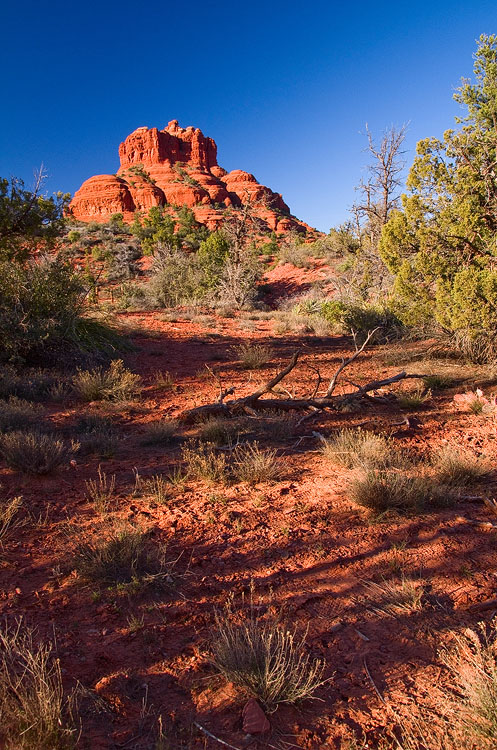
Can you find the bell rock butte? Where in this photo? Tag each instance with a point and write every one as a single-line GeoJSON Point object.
{"type": "Point", "coordinates": [178, 167]}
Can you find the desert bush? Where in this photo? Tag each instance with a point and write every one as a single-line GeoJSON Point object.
{"type": "Point", "coordinates": [254, 464]}
{"type": "Point", "coordinates": [164, 380]}
{"type": "Point", "coordinates": [253, 356]}
{"type": "Point", "coordinates": [15, 414]}
{"type": "Point", "coordinates": [176, 279]}
{"type": "Point", "coordinates": [295, 252]}
{"type": "Point", "coordinates": [157, 486]}
{"type": "Point", "coordinates": [472, 660]}
{"type": "Point", "coordinates": [438, 382]}
{"type": "Point", "coordinates": [162, 432]}
{"type": "Point", "coordinates": [265, 659]}
{"type": "Point", "coordinates": [30, 384]}
{"type": "Point", "coordinates": [38, 304]}
{"type": "Point", "coordinates": [358, 448]}
{"type": "Point", "coordinates": [383, 490]}
{"type": "Point", "coordinates": [97, 435]}
{"type": "Point", "coordinates": [217, 431]}
{"type": "Point", "coordinates": [35, 713]}
{"type": "Point", "coordinates": [415, 399]}
{"type": "Point", "coordinates": [361, 319]}
{"type": "Point", "coordinates": [125, 558]}
{"type": "Point", "coordinates": [477, 347]}
{"type": "Point", "coordinates": [203, 462]}
{"type": "Point", "coordinates": [114, 383]}
{"type": "Point", "coordinates": [33, 452]}
{"type": "Point", "coordinates": [458, 466]}
{"type": "Point", "coordinates": [122, 262]}
{"type": "Point", "coordinates": [238, 284]}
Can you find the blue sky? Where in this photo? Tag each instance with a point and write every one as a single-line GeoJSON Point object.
{"type": "Point", "coordinates": [285, 88]}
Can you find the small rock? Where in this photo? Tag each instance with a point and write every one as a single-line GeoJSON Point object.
{"type": "Point", "coordinates": [254, 719]}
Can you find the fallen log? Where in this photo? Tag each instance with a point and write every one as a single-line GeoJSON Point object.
{"type": "Point", "coordinates": [254, 401]}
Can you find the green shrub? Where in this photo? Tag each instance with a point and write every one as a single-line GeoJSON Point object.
{"type": "Point", "coordinates": [39, 302]}
{"type": "Point", "coordinates": [33, 452]}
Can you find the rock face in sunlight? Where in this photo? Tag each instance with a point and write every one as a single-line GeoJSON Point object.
{"type": "Point", "coordinates": [178, 166]}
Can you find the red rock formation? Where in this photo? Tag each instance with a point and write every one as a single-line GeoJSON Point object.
{"type": "Point", "coordinates": [177, 166]}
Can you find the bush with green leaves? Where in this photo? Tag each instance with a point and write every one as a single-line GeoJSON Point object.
{"type": "Point", "coordinates": [441, 246]}
{"type": "Point", "coordinates": [353, 318]}
{"type": "Point", "coordinates": [28, 220]}
{"type": "Point", "coordinates": [40, 302]}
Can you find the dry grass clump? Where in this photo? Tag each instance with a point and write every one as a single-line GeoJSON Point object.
{"type": "Point", "coordinates": [265, 659]}
{"type": "Point", "coordinates": [97, 435]}
{"type": "Point", "coordinates": [382, 490]}
{"type": "Point", "coordinates": [253, 356]}
{"type": "Point", "coordinates": [276, 425]}
{"type": "Point", "coordinates": [164, 380]}
{"type": "Point", "coordinates": [254, 464]}
{"type": "Point", "coordinates": [100, 491]}
{"type": "Point", "coordinates": [438, 382]}
{"type": "Point", "coordinates": [354, 448]}
{"type": "Point", "coordinates": [9, 509]}
{"type": "Point", "coordinates": [35, 715]}
{"type": "Point", "coordinates": [203, 462]}
{"type": "Point", "coordinates": [158, 487]}
{"type": "Point", "coordinates": [395, 597]}
{"type": "Point", "coordinates": [472, 661]}
{"type": "Point", "coordinates": [217, 431]}
{"type": "Point", "coordinates": [16, 414]}
{"type": "Point", "coordinates": [415, 399]}
{"type": "Point", "coordinates": [457, 466]}
{"type": "Point", "coordinates": [162, 432]}
{"type": "Point", "coordinates": [32, 452]}
{"type": "Point", "coordinates": [29, 384]}
{"type": "Point", "coordinates": [126, 557]}
{"type": "Point", "coordinates": [115, 383]}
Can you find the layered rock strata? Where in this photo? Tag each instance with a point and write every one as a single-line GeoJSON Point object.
{"type": "Point", "coordinates": [178, 167]}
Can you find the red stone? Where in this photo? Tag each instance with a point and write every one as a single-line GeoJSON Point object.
{"type": "Point", "coordinates": [180, 166]}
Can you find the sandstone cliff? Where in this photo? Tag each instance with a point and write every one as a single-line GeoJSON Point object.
{"type": "Point", "coordinates": [177, 166]}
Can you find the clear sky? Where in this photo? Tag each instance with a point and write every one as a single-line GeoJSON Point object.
{"type": "Point", "coordinates": [284, 88]}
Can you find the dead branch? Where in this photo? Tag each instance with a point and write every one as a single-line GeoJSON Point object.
{"type": "Point", "coordinates": [347, 362]}
{"type": "Point", "coordinates": [253, 403]}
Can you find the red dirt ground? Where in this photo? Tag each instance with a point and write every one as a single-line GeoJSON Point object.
{"type": "Point", "coordinates": [301, 542]}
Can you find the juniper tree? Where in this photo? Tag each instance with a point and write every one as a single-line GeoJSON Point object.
{"type": "Point", "coordinates": [442, 245]}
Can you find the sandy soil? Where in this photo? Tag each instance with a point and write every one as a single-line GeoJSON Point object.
{"type": "Point", "coordinates": [305, 547]}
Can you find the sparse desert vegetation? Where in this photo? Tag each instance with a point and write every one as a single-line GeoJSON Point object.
{"type": "Point", "coordinates": [248, 493]}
